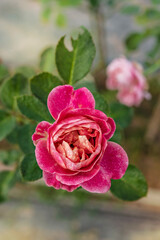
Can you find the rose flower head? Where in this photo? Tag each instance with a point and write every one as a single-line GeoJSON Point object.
{"type": "Point", "coordinates": [74, 151]}
{"type": "Point", "coordinates": [127, 77]}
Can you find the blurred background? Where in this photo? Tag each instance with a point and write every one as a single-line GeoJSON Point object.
{"type": "Point", "coordinates": [27, 27]}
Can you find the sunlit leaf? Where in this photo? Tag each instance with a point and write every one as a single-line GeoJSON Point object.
{"type": "Point", "coordinates": [47, 60]}
{"type": "Point", "coordinates": [74, 65]}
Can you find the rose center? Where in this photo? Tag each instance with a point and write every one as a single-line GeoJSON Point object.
{"type": "Point", "coordinates": [77, 145]}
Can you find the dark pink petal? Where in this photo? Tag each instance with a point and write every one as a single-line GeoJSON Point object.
{"type": "Point", "coordinates": [113, 165]}
{"type": "Point", "coordinates": [112, 127]}
{"type": "Point", "coordinates": [51, 181]}
{"type": "Point", "coordinates": [99, 117]}
{"type": "Point", "coordinates": [115, 161]}
{"type": "Point", "coordinates": [106, 128]}
{"type": "Point", "coordinates": [46, 162]}
{"type": "Point", "coordinates": [78, 178]}
{"type": "Point", "coordinates": [70, 123]}
{"type": "Point", "coordinates": [64, 96]}
{"type": "Point", "coordinates": [100, 183]}
{"type": "Point", "coordinates": [90, 113]}
{"type": "Point", "coordinates": [58, 99]}
{"type": "Point", "coordinates": [106, 124]}
{"type": "Point", "coordinates": [40, 132]}
{"type": "Point", "coordinates": [83, 98]}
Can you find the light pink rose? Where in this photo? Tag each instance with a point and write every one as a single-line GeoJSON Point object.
{"type": "Point", "coordinates": [127, 77]}
{"type": "Point", "coordinates": [74, 151]}
{"type": "Point", "coordinates": [130, 96]}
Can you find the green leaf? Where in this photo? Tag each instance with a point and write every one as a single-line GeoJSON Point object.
{"type": "Point", "coordinates": [7, 180]}
{"type": "Point", "coordinates": [88, 84]}
{"type": "Point", "coordinates": [7, 124]}
{"type": "Point", "coordinates": [3, 72]}
{"type": "Point", "coordinates": [29, 168]}
{"type": "Point", "coordinates": [155, 50]}
{"type": "Point", "coordinates": [110, 96]}
{"type": "Point", "coordinates": [117, 137]}
{"type": "Point", "coordinates": [42, 84]}
{"type": "Point", "coordinates": [13, 136]}
{"type": "Point", "coordinates": [130, 9]}
{"type": "Point", "coordinates": [46, 13]}
{"type": "Point", "coordinates": [66, 3]}
{"type": "Point", "coordinates": [131, 186]}
{"type": "Point", "coordinates": [3, 155]}
{"type": "Point", "coordinates": [155, 1]}
{"type": "Point", "coordinates": [101, 103]}
{"type": "Point", "coordinates": [33, 108]}
{"type": "Point", "coordinates": [111, 3]}
{"type": "Point", "coordinates": [61, 20]}
{"type": "Point", "coordinates": [47, 60]}
{"type": "Point", "coordinates": [74, 65]}
{"type": "Point", "coordinates": [94, 3]}
{"type": "Point", "coordinates": [46, 1]}
{"type": "Point", "coordinates": [27, 71]}
{"type": "Point", "coordinates": [122, 115]}
{"type": "Point", "coordinates": [9, 157]}
{"type": "Point", "coordinates": [150, 14]}
{"type": "Point", "coordinates": [134, 40]}
{"type": "Point", "coordinates": [25, 138]}
{"type": "Point", "coordinates": [15, 86]}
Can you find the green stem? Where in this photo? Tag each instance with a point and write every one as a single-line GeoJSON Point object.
{"type": "Point", "coordinates": [100, 22]}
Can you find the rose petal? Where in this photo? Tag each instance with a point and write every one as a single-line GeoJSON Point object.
{"type": "Point", "coordinates": [113, 165]}
{"type": "Point", "coordinates": [71, 124]}
{"type": "Point", "coordinates": [112, 126]}
{"type": "Point", "coordinates": [78, 178]}
{"type": "Point", "coordinates": [100, 183]}
{"type": "Point", "coordinates": [138, 77]}
{"type": "Point", "coordinates": [115, 161]}
{"type": "Point", "coordinates": [70, 112]}
{"type": "Point", "coordinates": [119, 73]}
{"type": "Point", "coordinates": [46, 162]}
{"type": "Point", "coordinates": [40, 132]}
{"type": "Point", "coordinates": [83, 98]}
{"type": "Point", "coordinates": [51, 181]}
{"type": "Point", "coordinates": [64, 96]}
{"type": "Point", "coordinates": [65, 162]}
{"type": "Point", "coordinates": [99, 117]}
{"type": "Point", "coordinates": [131, 97]}
{"type": "Point", "coordinates": [58, 99]}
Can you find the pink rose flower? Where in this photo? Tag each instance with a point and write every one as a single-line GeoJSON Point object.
{"type": "Point", "coordinates": [74, 151]}
{"type": "Point", "coordinates": [130, 96]}
{"type": "Point", "coordinates": [127, 77]}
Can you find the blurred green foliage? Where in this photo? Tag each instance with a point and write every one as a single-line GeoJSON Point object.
{"type": "Point", "coordinates": [148, 17]}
